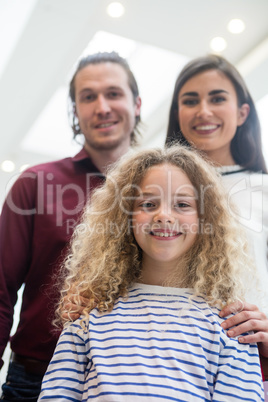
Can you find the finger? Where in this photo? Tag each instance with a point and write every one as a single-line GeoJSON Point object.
{"type": "Point", "coordinates": [237, 307]}
{"type": "Point", "coordinates": [73, 308]}
{"type": "Point", "coordinates": [84, 301]}
{"type": "Point", "coordinates": [258, 337]}
{"type": "Point", "coordinates": [255, 320]}
{"type": "Point", "coordinates": [70, 316]}
{"type": "Point", "coordinates": [248, 326]}
{"type": "Point", "coordinates": [76, 300]}
{"type": "Point", "coordinates": [76, 309]}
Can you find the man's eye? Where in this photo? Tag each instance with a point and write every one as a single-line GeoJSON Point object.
{"type": "Point", "coordinates": [113, 95]}
{"type": "Point", "coordinates": [88, 98]}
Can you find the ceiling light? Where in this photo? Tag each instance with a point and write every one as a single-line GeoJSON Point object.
{"type": "Point", "coordinates": [218, 44]}
{"type": "Point", "coordinates": [8, 166]}
{"type": "Point", "coordinates": [236, 26]}
{"type": "Point", "coordinates": [115, 10]}
{"type": "Point", "coordinates": [106, 42]}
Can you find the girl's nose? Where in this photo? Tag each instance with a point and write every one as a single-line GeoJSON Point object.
{"type": "Point", "coordinates": [163, 215]}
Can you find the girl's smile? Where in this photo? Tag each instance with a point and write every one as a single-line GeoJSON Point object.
{"type": "Point", "coordinates": [164, 234]}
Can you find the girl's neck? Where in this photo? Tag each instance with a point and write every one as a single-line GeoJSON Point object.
{"type": "Point", "coordinates": [160, 274]}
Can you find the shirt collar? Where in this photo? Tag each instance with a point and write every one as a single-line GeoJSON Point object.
{"type": "Point", "coordinates": [226, 170]}
{"type": "Point", "coordinates": [83, 157]}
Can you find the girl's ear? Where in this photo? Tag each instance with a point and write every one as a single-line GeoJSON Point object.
{"type": "Point", "coordinates": [243, 113]}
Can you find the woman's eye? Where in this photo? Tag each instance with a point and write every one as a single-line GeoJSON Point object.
{"type": "Point", "coordinates": [190, 102]}
{"type": "Point", "coordinates": [218, 99]}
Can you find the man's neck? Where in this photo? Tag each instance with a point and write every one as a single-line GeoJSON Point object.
{"type": "Point", "coordinates": [102, 159]}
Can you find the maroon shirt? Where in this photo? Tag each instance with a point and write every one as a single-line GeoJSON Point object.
{"type": "Point", "coordinates": [37, 221]}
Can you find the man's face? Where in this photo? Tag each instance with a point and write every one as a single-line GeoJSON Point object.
{"type": "Point", "coordinates": [105, 106]}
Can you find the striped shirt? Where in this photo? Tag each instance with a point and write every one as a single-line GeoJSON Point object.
{"type": "Point", "coordinates": [155, 345]}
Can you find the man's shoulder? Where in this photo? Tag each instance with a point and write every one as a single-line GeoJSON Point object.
{"type": "Point", "coordinates": [59, 165]}
{"type": "Point", "coordinates": [49, 166]}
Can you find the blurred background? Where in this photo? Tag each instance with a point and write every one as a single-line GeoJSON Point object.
{"type": "Point", "coordinates": [42, 40]}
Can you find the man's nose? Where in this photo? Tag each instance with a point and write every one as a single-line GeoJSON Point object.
{"type": "Point", "coordinates": [102, 105]}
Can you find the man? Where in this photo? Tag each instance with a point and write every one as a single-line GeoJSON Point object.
{"type": "Point", "coordinates": [43, 206]}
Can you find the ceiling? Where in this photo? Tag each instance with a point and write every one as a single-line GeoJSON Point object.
{"type": "Point", "coordinates": [41, 40]}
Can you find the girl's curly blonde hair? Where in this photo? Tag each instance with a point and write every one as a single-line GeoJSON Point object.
{"type": "Point", "coordinates": [105, 259]}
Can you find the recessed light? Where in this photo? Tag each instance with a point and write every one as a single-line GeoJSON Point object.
{"type": "Point", "coordinates": [115, 9]}
{"type": "Point", "coordinates": [8, 166]}
{"type": "Point", "coordinates": [236, 26]}
{"type": "Point", "coordinates": [218, 44]}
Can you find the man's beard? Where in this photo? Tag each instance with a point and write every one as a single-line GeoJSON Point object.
{"type": "Point", "coordinates": [109, 145]}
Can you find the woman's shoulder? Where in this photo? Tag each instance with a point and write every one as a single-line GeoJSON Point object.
{"type": "Point", "coordinates": [243, 180]}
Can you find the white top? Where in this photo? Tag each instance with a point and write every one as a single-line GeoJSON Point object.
{"type": "Point", "coordinates": [154, 346]}
{"type": "Point", "coordinates": [249, 192]}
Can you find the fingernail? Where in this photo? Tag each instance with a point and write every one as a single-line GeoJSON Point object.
{"type": "Point", "coordinates": [230, 333]}
{"type": "Point", "coordinates": [223, 325]}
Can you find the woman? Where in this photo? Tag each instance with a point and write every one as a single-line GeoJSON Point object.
{"type": "Point", "coordinates": [212, 110]}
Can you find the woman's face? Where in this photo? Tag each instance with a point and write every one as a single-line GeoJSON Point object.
{"type": "Point", "coordinates": [209, 114]}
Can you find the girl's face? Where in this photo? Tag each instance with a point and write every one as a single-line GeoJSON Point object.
{"type": "Point", "coordinates": [209, 115]}
{"type": "Point", "coordinates": [165, 220]}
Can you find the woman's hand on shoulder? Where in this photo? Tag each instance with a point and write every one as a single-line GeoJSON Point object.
{"type": "Point", "coordinates": [247, 317]}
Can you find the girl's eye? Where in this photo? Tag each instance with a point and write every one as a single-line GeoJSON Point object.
{"type": "Point", "coordinates": [147, 204]}
{"type": "Point", "coordinates": [182, 205]}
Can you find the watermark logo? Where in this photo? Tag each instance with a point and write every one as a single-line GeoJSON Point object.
{"type": "Point", "coordinates": [245, 202]}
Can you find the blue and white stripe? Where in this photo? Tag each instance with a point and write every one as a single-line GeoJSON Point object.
{"type": "Point", "coordinates": [156, 345]}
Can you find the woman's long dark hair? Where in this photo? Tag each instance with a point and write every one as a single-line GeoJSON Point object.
{"type": "Point", "coordinates": [246, 146]}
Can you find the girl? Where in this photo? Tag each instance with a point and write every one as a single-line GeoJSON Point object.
{"type": "Point", "coordinates": [213, 111]}
{"type": "Point", "coordinates": [159, 253]}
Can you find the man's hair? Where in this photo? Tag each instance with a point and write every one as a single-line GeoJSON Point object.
{"type": "Point", "coordinates": [98, 58]}
{"type": "Point", "coordinates": [105, 259]}
{"type": "Point", "coordinates": [246, 147]}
